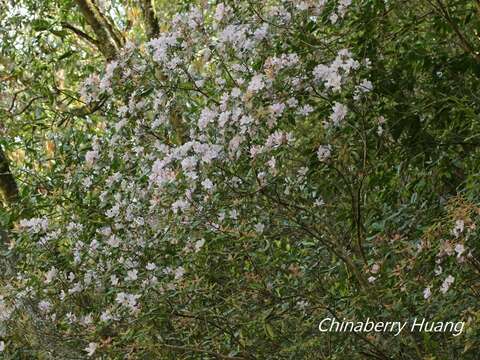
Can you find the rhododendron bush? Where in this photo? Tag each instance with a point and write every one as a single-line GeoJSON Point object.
{"type": "Point", "coordinates": [221, 176]}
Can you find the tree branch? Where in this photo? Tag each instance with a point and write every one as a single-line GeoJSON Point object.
{"type": "Point", "coordinates": [464, 43]}
{"type": "Point", "coordinates": [8, 185]}
{"type": "Point", "coordinates": [80, 33]}
{"type": "Point", "coordinates": [150, 20]}
{"type": "Point", "coordinates": [108, 39]}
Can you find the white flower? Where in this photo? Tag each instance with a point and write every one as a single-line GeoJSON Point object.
{"type": "Point", "coordinates": [305, 110]}
{"type": "Point", "coordinates": [207, 184]}
{"type": "Point", "coordinates": [2, 346]}
{"type": "Point", "coordinates": [302, 6]}
{"type": "Point", "coordinates": [339, 113]}
{"type": "Point", "coordinates": [272, 163]}
{"type": "Point", "coordinates": [77, 287]}
{"type": "Point", "coordinates": [91, 348]}
{"type": "Point", "coordinates": [332, 76]}
{"type": "Point", "coordinates": [236, 92]}
{"type": "Point", "coordinates": [132, 300]}
{"type": "Point", "coordinates": [277, 109]}
{"type": "Point", "coordinates": [132, 275]}
{"type": "Point", "coordinates": [206, 117]}
{"type": "Point", "coordinates": [319, 202]}
{"type": "Point", "coordinates": [129, 300]}
{"type": "Point", "coordinates": [50, 275]}
{"type": "Point", "coordinates": [342, 7]}
{"type": "Point", "coordinates": [256, 83]}
{"type": "Point", "coordinates": [302, 304]}
{"type": "Point", "coordinates": [199, 244]}
{"type": "Point", "coordinates": [71, 276]}
{"type": "Point", "coordinates": [459, 227]}
{"type": "Point", "coordinates": [446, 284]}
{"type": "Point", "coordinates": [113, 212]}
{"type": "Point", "coordinates": [121, 298]}
{"type": "Point", "coordinates": [91, 157]}
{"type": "Point", "coordinates": [255, 150]}
{"type": "Point", "coordinates": [261, 33]}
{"type": "Point", "coordinates": [34, 225]}
{"type": "Point", "coordinates": [302, 172]}
{"type": "Point", "coordinates": [333, 80]}
{"type": "Point", "coordinates": [234, 144]}
{"type": "Point", "coordinates": [221, 216]}
{"type": "Point", "coordinates": [5, 312]}
{"type": "Point", "coordinates": [427, 293]}
{"type": "Point", "coordinates": [375, 268]}
{"type": "Point", "coordinates": [371, 279]}
{"type": "Point", "coordinates": [333, 18]}
{"type": "Point", "coordinates": [87, 182]}
{"type": "Point", "coordinates": [324, 152]}
{"type": "Point", "coordinates": [181, 205]}
{"type": "Point", "coordinates": [71, 318]}
{"type": "Point", "coordinates": [459, 249]}
{"type": "Point", "coordinates": [44, 306]}
{"type": "Point", "coordinates": [106, 316]}
{"type": "Point", "coordinates": [114, 280]}
{"type": "Point", "coordinates": [151, 266]}
{"type": "Point", "coordinates": [259, 228]}
{"type": "Point", "coordinates": [223, 118]}
{"type": "Point", "coordinates": [87, 320]}
{"type": "Point", "coordinates": [179, 272]}
{"type": "Point", "coordinates": [113, 241]}
{"type": "Point", "coordinates": [292, 102]}
{"type": "Point", "coordinates": [365, 86]}
{"type": "Point", "coordinates": [219, 12]}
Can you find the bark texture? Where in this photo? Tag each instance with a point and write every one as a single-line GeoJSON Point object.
{"type": "Point", "coordinates": [152, 28]}
{"type": "Point", "coordinates": [8, 185]}
{"type": "Point", "coordinates": [109, 40]}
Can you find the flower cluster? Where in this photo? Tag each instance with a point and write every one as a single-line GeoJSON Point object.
{"type": "Point", "coordinates": [206, 144]}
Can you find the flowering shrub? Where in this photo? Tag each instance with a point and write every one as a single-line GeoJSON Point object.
{"type": "Point", "coordinates": [240, 182]}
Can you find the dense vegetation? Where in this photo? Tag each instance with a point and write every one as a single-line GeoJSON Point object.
{"type": "Point", "coordinates": [208, 180]}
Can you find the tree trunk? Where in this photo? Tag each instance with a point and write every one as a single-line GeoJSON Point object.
{"type": "Point", "coordinates": [108, 39]}
{"type": "Point", "coordinates": [8, 185]}
{"type": "Point", "coordinates": [152, 28]}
